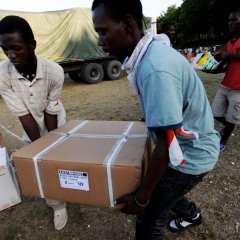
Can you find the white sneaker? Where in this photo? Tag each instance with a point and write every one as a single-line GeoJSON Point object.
{"type": "Point", "coordinates": [60, 218]}
{"type": "Point", "coordinates": [179, 224]}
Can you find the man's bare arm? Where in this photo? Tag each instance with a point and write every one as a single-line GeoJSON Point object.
{"type": "Point", "coordinates": [30, 126]}
{"type": "Point", "coordinates": [50, 121]}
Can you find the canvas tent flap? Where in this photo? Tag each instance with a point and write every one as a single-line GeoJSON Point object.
{"type": "Point", "coordinates": [62, 35]}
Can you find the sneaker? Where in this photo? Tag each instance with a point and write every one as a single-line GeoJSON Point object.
{"type": "Point", "coordinates": [60, 218]}
{"type": "Point", "coordinates": [180, 224]}
{"type": "Point", "coordinates": [222, 132]}
{"type": "Point", "coordinates": [222, 147]}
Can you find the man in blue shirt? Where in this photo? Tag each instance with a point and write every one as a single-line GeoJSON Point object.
{"type": "Point", "coordinates": [177, 114]}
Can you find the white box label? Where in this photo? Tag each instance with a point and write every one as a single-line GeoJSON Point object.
{"type": "Point", "coordinates": [73, 179]}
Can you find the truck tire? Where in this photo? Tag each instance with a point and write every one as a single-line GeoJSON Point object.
{"type": "Point", "coordinates": [92, 73]}
{"type": "Point", "coordinates": [75, 76]}
{"type": "Point", "coordinates": [112, 70]}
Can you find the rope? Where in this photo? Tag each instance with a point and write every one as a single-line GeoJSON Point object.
{"type": "Point", "coordinates": [11, 133]}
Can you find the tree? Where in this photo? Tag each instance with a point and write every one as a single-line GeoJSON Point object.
{"type": "Point", "coordinates": [199, 22]}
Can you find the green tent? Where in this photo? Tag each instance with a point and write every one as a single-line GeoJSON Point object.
{"type": "Point", "coordinates": [65, 35]}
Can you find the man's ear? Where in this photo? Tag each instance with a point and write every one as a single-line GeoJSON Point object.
{"type": "Point", "coordinates": [33, 44]}
{"type": "Point", "coordinates": [129, 23]}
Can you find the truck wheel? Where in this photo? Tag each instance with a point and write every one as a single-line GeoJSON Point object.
{"type": "Point", "coordinates": [75, 76]}
{"type": "Point", "coordinates": [92, 73]}
{"type": "Point", "coordinates": [112, 70]}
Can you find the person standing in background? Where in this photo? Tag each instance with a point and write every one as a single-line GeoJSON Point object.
{"type": "Point", "coordinates": [226, 103]}
{"type": "Point", "coordinates": [167, 35]}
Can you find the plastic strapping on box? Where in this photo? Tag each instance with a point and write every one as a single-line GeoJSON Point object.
{"type": "Point", "coordinates": [112, 156]}
{"type": "Point", "coordinates": [45, 150]}
{"type": "Point", "coordinates": [107, 135]}
{"type": "Point", "coordinates": [77, 127]}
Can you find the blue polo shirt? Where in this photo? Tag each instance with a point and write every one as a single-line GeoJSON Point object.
{"type": "Point", "coordinates": [172, 96]}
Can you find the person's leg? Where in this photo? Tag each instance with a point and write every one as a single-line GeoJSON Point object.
{"type": "Point", "coordinates": [226, 131]}
{"type": "Point", "coordinates": [60, 213]}
{"type": "Point", "coordinates": [55, 204]}
{"type": "Point", "coordinates": [185, 208]}
{"type": "Point", "coordinates": [188, 214]}
{"type": "Point", "coordinates": [229, 127]}
{"type": "Point", "coordinates": [233, 114]}
{"type": "Point", "coordinates": [59, 207]}
{"type": "Point", "coordinates": [171, 188]}
{"type": "Point", "coordinates": [221, 120]}
{"type": "Point", "coordinates": [220, 106]}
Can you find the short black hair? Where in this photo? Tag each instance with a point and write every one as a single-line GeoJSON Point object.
{"type": "Point", "coordinates": [166, 26]}
{"type": "Point", "coordinates": [12, 23]}
{"type": "Point", "coordinates": [119, 8]}
{"type": "Point", "coordinates": [235, 10]}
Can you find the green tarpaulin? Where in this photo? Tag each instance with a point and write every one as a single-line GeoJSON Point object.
{"type": "Point", "coordinates": [62, 35]}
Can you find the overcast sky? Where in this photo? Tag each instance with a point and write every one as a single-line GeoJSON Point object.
{"type": "Point", "coordinates": [151, 8]}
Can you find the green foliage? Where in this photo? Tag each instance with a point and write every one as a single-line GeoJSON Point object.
{"type": "Point", "coordinates": [199, 22]}
{"type": "Point", "coordinates": [169, 16]}
{"type": "Point", "coordinates": [146, 22]}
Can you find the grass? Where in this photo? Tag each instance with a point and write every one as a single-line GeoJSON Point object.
{"type": "Point", "coordinates": [218, 195]}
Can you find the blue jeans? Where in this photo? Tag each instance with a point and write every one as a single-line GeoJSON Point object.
{"type": "Point", "coordinates": [168, 195]}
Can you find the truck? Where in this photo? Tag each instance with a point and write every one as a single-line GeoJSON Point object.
{"type": "Point", "coordinates": [68, 38]}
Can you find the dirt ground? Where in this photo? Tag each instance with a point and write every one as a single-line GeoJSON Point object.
{"type": "Point", "coordinates": [218, 195]}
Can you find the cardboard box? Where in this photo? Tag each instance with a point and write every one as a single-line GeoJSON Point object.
{"type": "Point", "coordinates": [86, 162]}
{"type": "Point", "coordinates": [9, 190]}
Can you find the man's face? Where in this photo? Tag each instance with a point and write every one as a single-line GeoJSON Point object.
{"type": "Point", "coordinates": [234, 22]}
{"type": "Point", "coordinates": [19, 53]}
{"type": "Point", "coordinates": [171, 32]}
{"type": "Point", "coordinates": [113, 36]}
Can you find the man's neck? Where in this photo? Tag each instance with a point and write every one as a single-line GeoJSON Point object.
{"type": "Point", "coordinates": [29, 72]}
{"type": "Point", "coordinates": [235, 37]}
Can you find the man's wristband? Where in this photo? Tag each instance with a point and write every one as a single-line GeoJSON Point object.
{"type": "Point", "coordinates": [138, 203]}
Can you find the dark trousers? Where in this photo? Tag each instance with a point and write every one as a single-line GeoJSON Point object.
{"type": "Point", "coordinates": [168, 195]}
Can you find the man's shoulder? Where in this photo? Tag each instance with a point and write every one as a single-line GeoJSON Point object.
{"type": "Point", "coordinates": [4, 64]}
{"type": "Point", "coordinates": [5, 68]}
{"type": "Point", "coordinates": [49, 65]}
{"type": "Point", "coordinates": [164, 39]}
{"type": "Point", "coordinates": [163, 55]}
{"type": "Point", "coordinates": [161, 49]}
